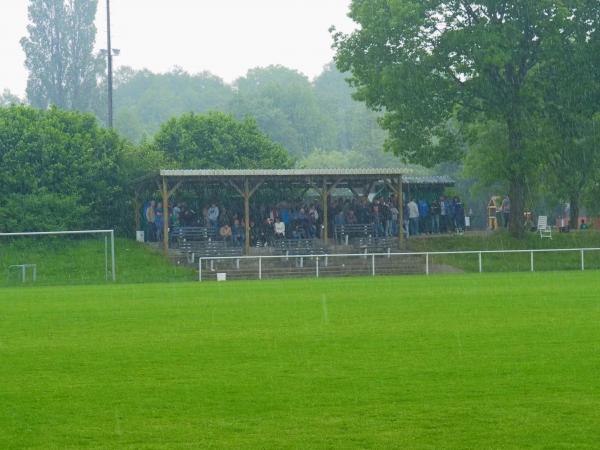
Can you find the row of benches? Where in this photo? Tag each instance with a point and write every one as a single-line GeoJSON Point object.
{"type": "Point", "coordinates": [198, 242]}
{"type": "Point", "coordinates": [287, 247]}
{"type": "Point", "coordinates": [341, 233]}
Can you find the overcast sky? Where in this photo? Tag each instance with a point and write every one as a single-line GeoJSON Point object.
{"type": "Point", "coordinates": [225, 37]}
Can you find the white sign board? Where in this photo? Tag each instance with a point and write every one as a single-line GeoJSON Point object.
{"type": "Point", "coordinates": [221, 276]}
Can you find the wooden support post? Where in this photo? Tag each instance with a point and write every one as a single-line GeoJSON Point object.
{"type": "Point", "coordinates": [136, 210]}
{"type": "Point", "coordinates": [247, 216]}
{"type": "Point", "coordinates": [400, 212]}
{"type": "Point", "coordinates": [165, 202]}
{"type": "Point", "coordinates": [246, 193]}
{"type": "Point", "coordinates": [325, 198]}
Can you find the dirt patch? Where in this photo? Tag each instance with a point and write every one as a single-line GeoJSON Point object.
{"type": "Point", "coordinates": [444, 268]}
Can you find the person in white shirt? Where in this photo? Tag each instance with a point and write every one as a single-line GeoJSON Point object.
{"type": "Point", "coordinates": [213, 216]}
{"type": "Point", "coordinates": [413, 217]}
{"type": "Point", "coordinates": [279, 229]}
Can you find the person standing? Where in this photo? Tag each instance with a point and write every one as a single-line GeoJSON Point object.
{"type": "Point", "coordinates": [459, 215]}
{"type": "Point", "coordinates": [413, 217]}
{"type": "Point", "coordinates": [424, 216]}
{"type": "Point", "coordinates": [394, 214]}
{"type": "Point", "coordinates": [151, 221]}
{"type": "Point", "coordinates": [435, 216]}
{"type": "Point", "coordinates": [444, 214]}
{"type": "Point", "coordinates": [386, 218]}
{"type": "Point", "coordinates": [406, 220]}
{"type": "Point", "coordinates": [505, 207]}
{"type": "Point", "coordinates": [159, 222]}
{"type": "Point", "coordinates": [213, 216]}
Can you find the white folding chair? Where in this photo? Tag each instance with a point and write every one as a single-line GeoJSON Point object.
{"type": "Point", "coordinates": [543, 228]}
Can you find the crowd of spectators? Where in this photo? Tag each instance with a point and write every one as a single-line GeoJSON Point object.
{"type": "Point", "coordinates": [304, 219]}
{"type": "Point", "coordinates": [443, 215]}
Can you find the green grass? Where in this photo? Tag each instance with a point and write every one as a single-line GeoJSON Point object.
{"type": "Point", "coordinates": [458, 361]}
{"type": "Point", "coordinates": [63, 261]}
{"type": "Point", "coordinates": [512, 262]}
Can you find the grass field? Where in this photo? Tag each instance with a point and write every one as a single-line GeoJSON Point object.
{"type": "Point", "coordinates": [452, 361]}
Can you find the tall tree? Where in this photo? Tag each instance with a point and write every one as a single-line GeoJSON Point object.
{"type": "Point", "coordinates": [570, 124]}
{"type": "Point", "coordinates": [145, 100]}
{"type": "Point", "coordinates": [427, 62]}
{"type": "Point", "coordinates": [60, 170]}
{"type": "Point", "coordinates": [218, 141]}
{"type": "Point", "coordinates": [283, 103]}
{"type": "Point", "coordinates": [59, 49]}
{"type": "Point", "coordinates": [7, 98]}
{"type": "Point", "coordinates": [355, 128]}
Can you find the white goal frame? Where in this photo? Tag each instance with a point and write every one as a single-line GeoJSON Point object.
{"type": "Point", "coordinates": [106, 233]}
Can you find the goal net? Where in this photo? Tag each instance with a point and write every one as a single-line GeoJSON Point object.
{"type": "Point", "coordinates": [59, 257]}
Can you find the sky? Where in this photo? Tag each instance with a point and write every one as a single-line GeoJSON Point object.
{"type": "Point", "coordinates": [225, 37]}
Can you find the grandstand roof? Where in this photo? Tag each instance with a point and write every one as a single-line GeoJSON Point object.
{"type": "Point", "coordinates": [280, 172]}
{"type": "Point", "coordinates": [301, 174]}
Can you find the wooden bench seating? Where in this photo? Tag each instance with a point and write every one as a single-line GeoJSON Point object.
{"type": "Point", "coordinates": [342, 233]}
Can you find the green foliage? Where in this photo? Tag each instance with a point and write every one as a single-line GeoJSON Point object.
{"type": "Point", "coordinates": [145, 100]}
{"type": "Point", "coordinates": [61, 168]}
{"type": "Point", "coordinates": [318, 159]}
{"type": "Point", "coordinates": [301, 116]}
{"type": "Point", "coordinates": [218, 141]}
{"type": "Point", "coordinates": [59, 54]}
{"type": "Point", "coordinates": [7, 98]}
{"type": "Point", "coordinates": [68, 260]}
{"type": "Point", "coordinates": [570, 134]}
{"type": "Point", "coordinates": [427, 63]}
{"type": "Point", "coordinates": [285, 107]}
{"type": "Point", "coordinates": [42, 211]}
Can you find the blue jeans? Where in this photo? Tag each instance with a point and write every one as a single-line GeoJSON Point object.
{"type": "Point", "coordinates": [414, 226]}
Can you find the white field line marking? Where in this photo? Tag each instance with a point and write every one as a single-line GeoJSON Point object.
{"type": "Point", "coordinates": [325, 312]}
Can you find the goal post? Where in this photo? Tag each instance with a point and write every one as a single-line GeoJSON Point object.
{"type": "Point", "coordinates": [110, 271]}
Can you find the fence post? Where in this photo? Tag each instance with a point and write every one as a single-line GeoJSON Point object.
{"type": "Point", "coordinates": [480, 263]}
{"type": "Point", "coordinates": [112, 256]}
{"type": "Point", "coordinates": [426, 263]}
{"type": "Point", "coordinates": [531, 255]}
{"type": "Point", "coordinates": [260, 267]}
{"type": "Point", "coordinates": [373, 263]}
{"type": "Point", "coordinates": [582, 261]}
{"type": "Point", "coordinates": [200, 269]}
{"type": "Point", "coordinates": [317, 267]}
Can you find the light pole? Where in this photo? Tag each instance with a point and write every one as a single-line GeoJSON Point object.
{"type": "Point", "coordinates": [110, 68]}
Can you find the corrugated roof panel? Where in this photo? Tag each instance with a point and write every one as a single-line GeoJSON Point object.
{"type": "Point", "coordinates": [281, 172]}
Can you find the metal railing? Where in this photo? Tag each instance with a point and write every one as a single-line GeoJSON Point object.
{"type": "Point", "coordinates": [344, 264]}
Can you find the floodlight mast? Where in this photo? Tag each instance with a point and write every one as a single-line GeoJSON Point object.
{"type": "Point", "coordinates": [110, 66]}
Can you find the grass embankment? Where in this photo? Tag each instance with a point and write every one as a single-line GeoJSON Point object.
{"type": "Point", "coordinates": [71, 261]}
{"type": "Point", "coordinates": [501, 240]}
{"type": "Point", "coordinates": [461, 361]}
{"type": "Point", "coordinates": [62, 260]}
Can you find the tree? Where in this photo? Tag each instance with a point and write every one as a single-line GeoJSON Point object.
{"type": "Point", "coordinates": [570, 127]}
{"type": "Point", "coordinates": [60, 170]}
{"type": "Point", "coordinates": [284, 105]}
{"type": "Point", "coordinates": [218, 141]}
{"type": "Point", "coordinates": [59, 54]}
{"type": "Point", "coordinates": [354, 125]}
{"type": "Point", "coordinates": [145, 100]}
{"type": "Point", "coordinates": [7, 98]}
{"type": "Point", "coordinates": [426, 63]}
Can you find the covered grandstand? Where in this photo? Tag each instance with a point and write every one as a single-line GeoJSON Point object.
{"type": "Point", "coordinates": [324, 183]}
